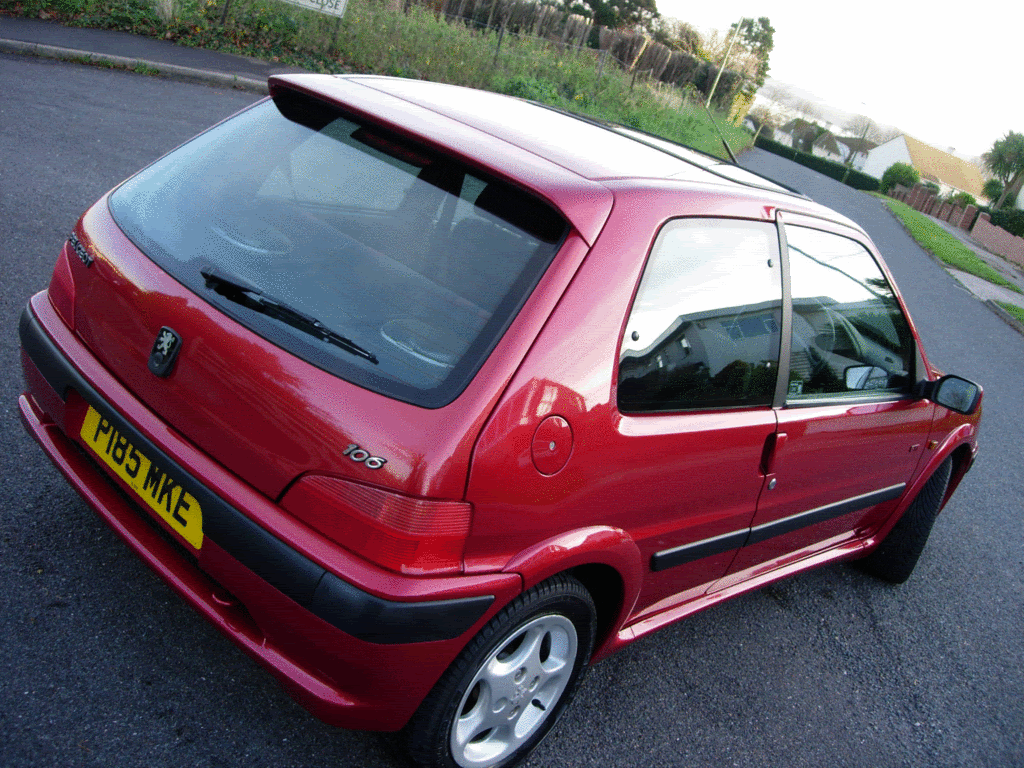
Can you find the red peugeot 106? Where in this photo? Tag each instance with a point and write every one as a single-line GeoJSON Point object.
{"type": "Point", "coordinates": [429, 398]}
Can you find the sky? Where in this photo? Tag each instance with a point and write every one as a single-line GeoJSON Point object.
{"type": "Point", "coordinates": [951, 79]}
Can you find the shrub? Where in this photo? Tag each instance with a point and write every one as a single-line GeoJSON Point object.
{"type": "Point", "coordinates": [963, 199]}
{"type": "Point", "coordinates": [128, 15]}
{"type": "Point", "coordinates": [864, 181]}
{"type": "Point", "coordinates": [899, 173]}
{"type": "Point", "coordinates": [993, 189]}
{"type": "Point", "coordinates": [834, 170]}
{"type": "Point", "coordinates": [530, 88]}
{"type": "Point", "coordinates": [775, 147]}
{"type": "Point", "coordinates": [1011, 220]}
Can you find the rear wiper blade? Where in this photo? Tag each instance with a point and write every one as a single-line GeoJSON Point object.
{"type": "Point", "coordinates": [237, 290]}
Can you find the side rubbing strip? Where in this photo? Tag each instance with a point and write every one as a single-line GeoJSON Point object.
{"type": "Point", "coordinates": [821, 514]}
{"type": "Point", "coordinates": [689, 552]}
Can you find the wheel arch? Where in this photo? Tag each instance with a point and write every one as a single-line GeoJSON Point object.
{"type": "Point", "coordinates": [604, 559]}
{"type": "Point", "coordinates": [960, 446]}
{"type": "Point", "coordinates": [963, 458]}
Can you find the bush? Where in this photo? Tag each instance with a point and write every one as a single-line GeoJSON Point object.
{"type": "Point", "coordinates": [899, 173]}
{"type": "Point", "coordinates": [834, 170]}
{"type": "Point", "coordinates": [529, 88]}
{"type": "Point", "coordinates": [864, 181]}
{"type": "Point", "coordinates": [963, 199]}
{"type": "Point", "coordinates": [993, 189]}
{"type": "Point", "coordinates": [1011, 220]}
{"type": "Point", "coordinates": [127, 15]}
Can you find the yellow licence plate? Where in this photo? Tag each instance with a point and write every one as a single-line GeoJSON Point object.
{"type": "Point", "coordinates": [161, 493]}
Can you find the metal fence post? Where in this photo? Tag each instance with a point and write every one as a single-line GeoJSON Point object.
{"type": "Point", "coordinates": [334, 34]}
{"type": "Point", "coordinates": [600, 70]}
{"type": "Point", "coordinates": [501, 35]}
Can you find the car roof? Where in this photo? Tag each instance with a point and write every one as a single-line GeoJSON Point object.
{"type": "Point", "coordinates": [592, 148]}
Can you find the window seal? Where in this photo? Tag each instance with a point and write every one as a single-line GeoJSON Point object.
{"type": "Point", "coordinates": [786, 329]}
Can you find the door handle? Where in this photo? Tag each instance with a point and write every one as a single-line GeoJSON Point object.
{"type": "Point", "coordinates": [772, 446]}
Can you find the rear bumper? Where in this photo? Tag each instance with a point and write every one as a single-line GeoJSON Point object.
{"type": "Point", "coordinates": [359, 652]}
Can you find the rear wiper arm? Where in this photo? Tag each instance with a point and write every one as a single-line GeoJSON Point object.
{"type": "Point", "coordinates": [237, 290]}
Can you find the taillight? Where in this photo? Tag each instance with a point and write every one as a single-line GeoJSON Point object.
{"type": "Point", "coordinates": [397, 532]}
{"type": "Point", "coordinates": [62, 288]}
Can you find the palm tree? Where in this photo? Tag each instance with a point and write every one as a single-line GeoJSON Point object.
{"type": "Point", "coordinates": [1006, 161]}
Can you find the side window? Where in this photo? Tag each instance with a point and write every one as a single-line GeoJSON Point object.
{"type": "Point", "coordinates": [849, 333]}
{"type": "Point", "coordinates": [704, 328]}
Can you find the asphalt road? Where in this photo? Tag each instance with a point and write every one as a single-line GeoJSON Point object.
{"type": "Point", "coordinates": [102, 665]}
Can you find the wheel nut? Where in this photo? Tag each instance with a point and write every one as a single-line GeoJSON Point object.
{"type": "Point", "coordinates": [520, 674]}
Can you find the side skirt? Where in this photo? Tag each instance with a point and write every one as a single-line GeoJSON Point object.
{"type": "Point", "coordinates": [845, 551]}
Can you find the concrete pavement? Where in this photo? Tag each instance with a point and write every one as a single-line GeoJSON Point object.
{"type": "Point", "coordinates": [123, 49]}
{"type": "Point", "coordinates": [988, 292]}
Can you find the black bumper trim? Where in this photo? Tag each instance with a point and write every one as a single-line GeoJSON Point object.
{"type": "Point", "coordinates": [343, 605]}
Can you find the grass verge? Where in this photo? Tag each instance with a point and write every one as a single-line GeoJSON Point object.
{"type": "Point", "coordinates": [1013, 309]}
{"type": "Point", "coordinates": [943, 245]}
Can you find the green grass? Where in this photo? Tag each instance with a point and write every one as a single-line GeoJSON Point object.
{"type": "Point", "coordinates": [947, 248]}
{"type": "Point", "coordinates": [1013, 309]}
{"type": "Point", "coordinates": [417, 44]}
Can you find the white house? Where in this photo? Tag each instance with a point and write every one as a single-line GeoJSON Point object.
{"type": "Point", "coordinates": [858, 147]}
{"type": "Point", "coordinates": [948, 171]}
{"type": "Point", "coordinates": [797, 133]}
{"type": "Point", "coordinates": [827, 147]}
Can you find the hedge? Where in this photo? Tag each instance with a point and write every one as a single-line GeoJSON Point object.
{"type": "Point", "coordinates": [1012, 221]}
{"type": "Point", "coordinates": [834, 170]}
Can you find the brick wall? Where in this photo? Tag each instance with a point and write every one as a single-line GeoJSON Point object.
{"type": "Point", "coordinates": [998, 240]}
{"type": "Point", "coordinates": [968, 218]}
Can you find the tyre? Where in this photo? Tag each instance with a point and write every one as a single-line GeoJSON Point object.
{"type": "Point", "coordinates": [894, 559]}
{"type": "Point", "coordinates": [509, 686]}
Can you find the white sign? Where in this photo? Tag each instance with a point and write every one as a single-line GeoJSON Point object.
{"type": "Point", "coordinates": [330, 7]}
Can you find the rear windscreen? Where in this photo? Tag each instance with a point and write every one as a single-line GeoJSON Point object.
{"type": "Point", "coordinates": [416, 261]}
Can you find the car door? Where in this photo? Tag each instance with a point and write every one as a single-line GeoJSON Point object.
{"type": "Point", "coordinates": [696, 378]}
{"type": "Point", "coordinates": [850, 433]}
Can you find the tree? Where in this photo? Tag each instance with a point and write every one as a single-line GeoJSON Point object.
{"type": "Point", "coordinates": [1006, 161]}
{"type": "Point", "coordinates": [993, 189]}
{"type": "Point", "coordinates": [899, 173]}
{"type": "Point", "coordinates": [887, 134]}
{"type": "Point", "coordinates": [765, 120]}
{"type": "Point", "coordinates": [677, 35]}
{"type": "Point", "coordinates": [775, 95]}
{"type": "Point", "coordinates": [864, 129]}
{"type": "Point", "coordinates": [759, 38]}
{"type": "Point", "coordinates": [623, 13]}
{"type": "Point", "coordinates": [807, 110]}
